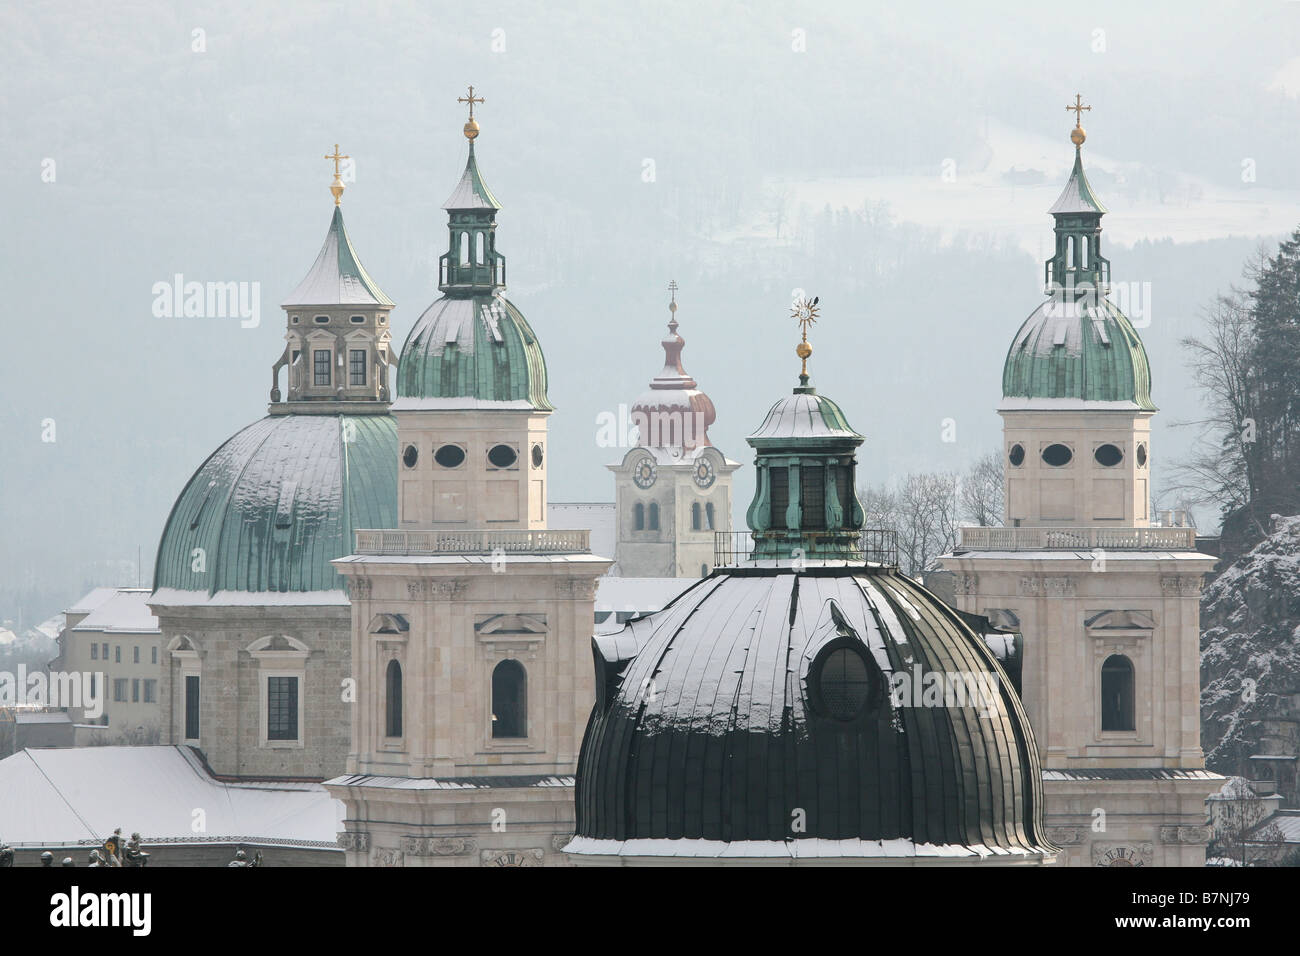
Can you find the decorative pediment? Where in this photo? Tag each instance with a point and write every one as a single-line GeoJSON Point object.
{"type": "Point", "coordinates": [389, 624]}
{"type": "Point", "coordinates": [502, 624]}
{"type": "Point", "coordinates": [1121, 621]}
{"type": "Point", "coordinates": [278, 642]}
{"type": "Point", "coordinates": [181, 644]}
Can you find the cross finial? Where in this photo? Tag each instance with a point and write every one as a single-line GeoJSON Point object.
{"type": "Point", "coordinates": [1077, 135]}
{"type": "Point", "coordinates": [672, 290]}
{"type": "Point", "coordinates": [471, 125]}
{"type": "Point", "coordinates": [337, 186]}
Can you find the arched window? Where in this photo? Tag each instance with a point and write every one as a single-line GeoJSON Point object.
{"type": "Point", "coordinates": [509, 700]}
{"type": "Point", "coordinates": [654, 516]}
{"type": "Point", "coordinates": [708, 517]}
{"type": "Point", "coordinates": [638, 517]}
{"type": "Point", "coordinates": [1117, 693]}
{"type": "Point", "coordinates": [393, 697]}
{"type": "Point", "coordinates": [464, 248]}
{"type": "Point", "coordinates": [480, 258]}
{"type": "Point", "coordinates": [696, 520]}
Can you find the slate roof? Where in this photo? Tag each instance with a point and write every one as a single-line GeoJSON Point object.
{"type": "Point", "coordinates": [1077, 198]}
{"type": "Point", "coordinates": [704, 731]}
{"type": "Point", "coordinates": [471, 192]}
{"type": "Point", "coordinates": [802, 415]}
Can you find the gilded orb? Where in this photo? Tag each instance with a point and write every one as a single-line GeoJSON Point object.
{"type": "Point", "coordinates": [803, 350]}
{"type": "Point", "coordinates": [1077, 136]}
{"type": "Point", "coordinates": [471, 129]}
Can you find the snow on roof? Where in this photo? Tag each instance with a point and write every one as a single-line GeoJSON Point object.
{"type": "Point", "coordinates": [175, 597]}
{"type": "Point", "coordinates": [93, 599]}
{"type": "Point", "coordinates": [42, 717]}
{"type": "Point", "coordinates": [594, 516]}
{"type": "Point", "coordinates": [127, 611]}
{"type": "Point", "coordinates": [1288, 821]}
{"type": "Point", "coordinates": [50, 797]}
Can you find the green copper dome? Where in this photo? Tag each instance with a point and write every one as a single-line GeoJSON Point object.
{"type": "Point", "coordinates": [473, 352]}
{"type": "Point", "coordinates": [1077, 346]}
{"type": "Point", "coordinates": [1082, 350]}
{"type": "Point", "coordinates": [276, 503]}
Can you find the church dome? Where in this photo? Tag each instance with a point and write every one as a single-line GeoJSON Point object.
{"type": "Point", "coordinates": [276, 503]}
{"type": "Point", "coordinates": [673, 413]}
{"type": "Point", "coordinates": [768, 713]}
{"type": "Point", "coordinates": [466, 352]}
{"type": "Point", "coordinates": [1085, 350]}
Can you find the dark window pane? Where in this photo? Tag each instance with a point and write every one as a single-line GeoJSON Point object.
{"type": "Point", "coordinates": [191, 707]}
{"type": "Point", "coordinates": [282, 708]}
{"type": "Point", "coordinates": [509, 700]}
{"type": "Point", "coordinates": [322, 360]}
{"type": "Point", "coordinates": [1117, 693]}
{"type": "Point", "coordinates": [357, 367]}
{"type": "Point", "coordinates": [394, 700]}
{"type": "Point", "coordinates": [780, 478]}
{"type": "Point", "coordinates": [844, 683]}
{"type": "Point", "coordinates": [812, 496]}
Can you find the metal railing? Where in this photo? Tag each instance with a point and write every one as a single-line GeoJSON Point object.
{"type": "Point", "coordinates": [576, 541]}
{"type": "Point", "coordinates": [1077, 539]}
{"type": "Point", "coordinates": [874, 545]}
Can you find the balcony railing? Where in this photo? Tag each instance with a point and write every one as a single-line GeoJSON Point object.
{"type": "Point", "coordinates": [474, 542]}
{"type": "Point", "coordinates": [874, 545]}
{"type": "Point", "coordinates": [1077, 539]}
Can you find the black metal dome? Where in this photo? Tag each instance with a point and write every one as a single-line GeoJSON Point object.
{"type": "Point", "coordinates": [760, 714]}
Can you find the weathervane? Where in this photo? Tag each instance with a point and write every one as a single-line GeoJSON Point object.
{"type": "Point", "coordinates": [1077, 135]}
{"type": "Point", "coordinates": [471, 127]}
{"type": "Point", "coordinates": [805, 312]}
{"type": "Point", "coordinates": [337, 186]}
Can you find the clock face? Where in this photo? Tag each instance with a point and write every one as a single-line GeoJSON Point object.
{"type": "Point", "coordinates": [643, 472]}
{"type": "Point", "coordinates": [1121, 856]}
{"type": "Point", "coordinates": [704, 474]}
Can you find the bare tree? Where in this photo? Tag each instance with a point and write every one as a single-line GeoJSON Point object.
{"type": "Point", "coordinates": [1241, 831]}
{"type": "Point", "coordinates": [981, 491]}
{"type": "Point", "coordinates": [922, 510]}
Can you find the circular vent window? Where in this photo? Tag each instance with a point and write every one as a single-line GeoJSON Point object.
{"type": "Point", "coordinates": [1108, 456]}
{"type": "Point", "coordinates": [449, 456]}
{"type": "Point", "coordinates": [410, 456]}
{"type": "Point", "coordinates": [1057, 455]}
{"type": "Point", "coordinates": [842, 684]}
{"type": "Point", "coordinates": [1017, 455]}
{"type": "Point", "coordinates": [537, 456]}
{"type": "Point", "coordinates": [502, 456]}
{"type": "Point", "coordinates": [1142, 456]}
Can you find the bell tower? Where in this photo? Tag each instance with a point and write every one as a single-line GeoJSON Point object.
{"type": "Point", "coordinates": [673, 490]}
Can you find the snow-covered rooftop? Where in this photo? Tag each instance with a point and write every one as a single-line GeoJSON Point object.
{"type": "Point", "coordinates": [57, 797]}
{"type": "Point", "coordinates": [127, 611]}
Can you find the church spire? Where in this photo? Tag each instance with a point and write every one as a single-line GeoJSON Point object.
{"type": "Point", "coordinates": [1077, 265]}
{"type": "Point", "coordinates": [471, 265]}
{"type": "Point", "coordinates": [674, 414]}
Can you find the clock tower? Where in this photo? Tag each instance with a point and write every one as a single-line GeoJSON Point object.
{"type": "Point", "coordinates": [673, 490]}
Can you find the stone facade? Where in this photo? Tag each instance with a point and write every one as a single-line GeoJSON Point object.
{"type": "Point", "coordinates": [231, 649]}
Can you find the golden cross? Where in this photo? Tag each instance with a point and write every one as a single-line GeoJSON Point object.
{"type": "Point", "coordinates": [672, 288]}
{"type": "Point", "coordinates": [471, 100]}
{"type": "Point", "coordinates": [336, 157]}
{"type": "Point", "coordinates": [1078, 108]}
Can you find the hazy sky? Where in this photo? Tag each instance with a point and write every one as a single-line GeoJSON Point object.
{"type": "Point", "coordinates": [898, 163]}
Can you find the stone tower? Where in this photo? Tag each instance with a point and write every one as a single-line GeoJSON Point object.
{"type": "Point", "coordinates": [1107, 602]}
{"type": "Point", "coordinates": [471, 621]}
{"type": "Point", "coordinates": [673, 490]}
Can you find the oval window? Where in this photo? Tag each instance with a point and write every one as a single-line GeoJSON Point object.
{"type": "Point", "coordinates": [410, 456]}
{"type": "Point", "coordinates": [1017, 455]}
{"type": "Point", "coordinates": [449, 456]}
{"type": "Point", "coordinates": [843, 684]}
{"type": "Point", "coordinates": [537, 456]}
{"type": "Point", "coordinates": [1057, 455]}
{"type": "Point", "coordinates": [1142, 456]}
{"type": "Point", "coordinates": [1108, 456]}
{"type": "Point", "coordinates": [502, 456]}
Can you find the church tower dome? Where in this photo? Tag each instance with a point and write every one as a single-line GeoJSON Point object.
{"type": "Point", "coordinates": [472, 347]}
{"type": "Point", "coordinates": [773, 713]}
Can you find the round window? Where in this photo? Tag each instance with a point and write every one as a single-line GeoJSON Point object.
{"type": "Point", "coordinates": [1108, 456]}
{"type": "Point", "coordinates": [537, 456]}
{"type": "Point", "coordinates": [449, 456]}
{"type": "Point", "coordinates": [1017, 455]}
{"type": "Point", "coordinates": [842, 684]}
{"type": "Point", "coordinates": [1057, 455]}
{"type": "Point", "coordinates": [502, 456]}
{"type": "Point", "coordinates": [410, 455]}
{"type": "Point", "coordinates": [1142, 456]}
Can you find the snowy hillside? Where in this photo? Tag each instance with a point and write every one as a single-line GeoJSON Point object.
{"type": "Point", "coordinates": [1250, 645]}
